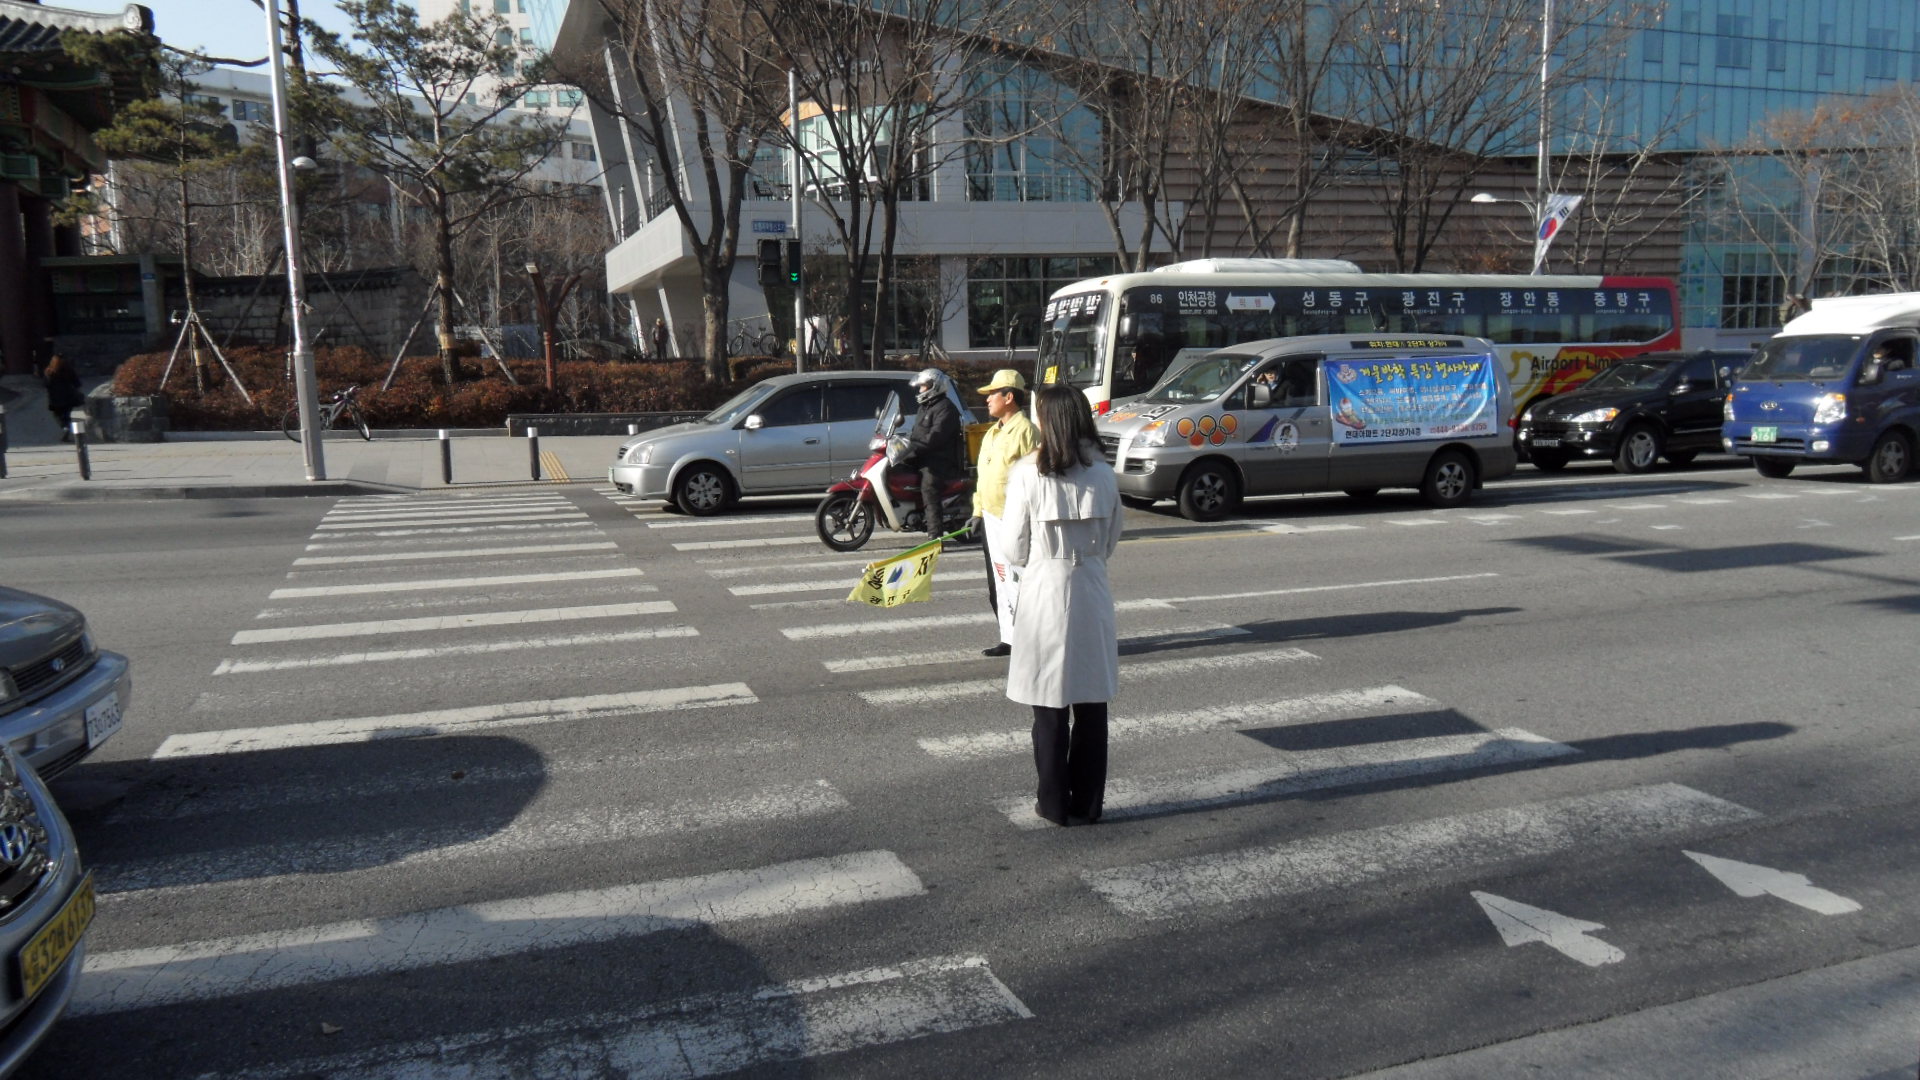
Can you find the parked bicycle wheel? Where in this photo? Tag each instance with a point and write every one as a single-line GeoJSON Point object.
{"type": "Point", "coordinates": [359, 420]}
{"type": "Point", "coordinates": [769, 343]}
{"type": "Point", "coordinates": [290, 422]}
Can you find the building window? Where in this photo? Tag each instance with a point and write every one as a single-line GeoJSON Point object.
{"type": "Point", "coordinates": [1733, 41]}
{"type": "Point", "coordinates": [1882, 62]}
{"type": "Point", "coordinates": [526, 36]}
{"type": "Point", "coordinates": [1006, 296]}
{"type": "Point", "coordinates": [1751, 290]}
{"type": "Point", "coordinates": [536, 99]}
{"type": "Point", "coordinates": [502, 7]}
{"type": "Point", "coordinates": [581, 151]}
{"type": "Point", "coordinates": [249, 112]}
{"type": "Point", "coordinates": [1653, 47]}
{"type": "Point", "coordinates": [1689, 37]}
{"type": "Point", "coordinates": [1826, 52]}
{"type": "Point", "coordinates": [1028, 140]}
{"type": "Point", "coordinates": [570, 97]}
{"type": "Point", "coordinates": [1776, 45]}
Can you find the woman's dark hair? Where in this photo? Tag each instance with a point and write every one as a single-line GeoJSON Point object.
{"type": "Point", "coordinates": [1067, 435]}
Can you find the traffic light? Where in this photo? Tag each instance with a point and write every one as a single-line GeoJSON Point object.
{"type": "Point", "coordinates": [793, 263]}
{"type": "Point", "coordinates": [769, 265]}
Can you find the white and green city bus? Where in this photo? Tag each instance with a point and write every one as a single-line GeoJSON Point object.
{"type": "Point", "coordinates": [1114, 337]}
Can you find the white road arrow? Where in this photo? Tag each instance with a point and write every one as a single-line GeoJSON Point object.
{"type": "Point", "coordinates": [1748, 880]}
{"type": "Point", "coordinates": [1520, 924]}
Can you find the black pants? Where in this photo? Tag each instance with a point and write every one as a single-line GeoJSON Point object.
{"type": "Point", "coordinates": [1071, 760]}
{"type": "Point", "coordinates": [993, 586]}
{"type": "Point", "coordinates": [930, 485]}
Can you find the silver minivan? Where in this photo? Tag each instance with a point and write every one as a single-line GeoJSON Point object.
{"type": "Point", "coordinates": [1348, 412]}
{"type": "Point", "coordinates": [790, 434]}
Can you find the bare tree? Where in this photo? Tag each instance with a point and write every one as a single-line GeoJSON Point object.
{"type": "Point", "coordinates": [426, 128]}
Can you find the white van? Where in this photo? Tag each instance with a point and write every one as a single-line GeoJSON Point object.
{"type": "Point", "coordinates": [1348, 412]}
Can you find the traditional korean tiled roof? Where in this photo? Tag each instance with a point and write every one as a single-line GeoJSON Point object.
{"type": "Point", "coordinates": [36, 28]}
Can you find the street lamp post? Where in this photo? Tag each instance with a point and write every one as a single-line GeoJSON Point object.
{"type": "Point", "coordinates": [303, 380]}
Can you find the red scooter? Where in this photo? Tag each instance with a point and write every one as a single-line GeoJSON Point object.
{"type": "Point", "coordinates": [882, 491]}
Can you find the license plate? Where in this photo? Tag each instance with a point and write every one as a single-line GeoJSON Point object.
{"type": "Point", "coordinates": [40, 958]}
{"type": "Point", "coordinates": [103, 718]}
{"type": "Point", "coordinates": [1545, 442]}
{"type": "Point", "coordinates": [1766, 434]}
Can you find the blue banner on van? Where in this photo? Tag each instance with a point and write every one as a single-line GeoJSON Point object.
{"type": "Point", "coordinates": [1407, 399]}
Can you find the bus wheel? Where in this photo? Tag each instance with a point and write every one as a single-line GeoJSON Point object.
{"type": "Point", "coordinates": [1207, 492]}
{"type": "Point", "coordinates": [1449, 480]}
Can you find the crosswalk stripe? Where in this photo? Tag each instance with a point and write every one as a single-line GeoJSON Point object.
{"type": "Point", "coordinates": [450, 622]}
{"type": "Point", "coordinates": [474, 506]}
{"type": "Point", "coordinates": [1416, 850]}
{"type": "Point", "coordinates": [453, 553]}
{"type": "Point", "coordinates": [223, 967]}
{"type": "Point", "coordinates": [1292, 530]}
{"type": "Point", "coordinates": [709, 1035]}
{"type": "Point", "coordinates": [727, 545]}
{"type": "Point", "coordinates": [448, 721]}
{"type": "Point", "coordinates": [261, 864]}
{"type": "Point", "coordinates": [468, 529]}
{"type": "Point", "coordinates": [888, 626]}
{"type": "Point", "coordinates": [835, 601]}
{"type": "Point", "coordinates": [1298, 710]}
{"type": "Point", "coordinates": [489, 517]}
{"type": "Point", "coordinates": [1768, 495]}
{"type": "Point", "coordinates": [1703, 500]}
{"type": "Point", "coordinates": [699, 523]}
{"type": "Point", "coordinates": [470, 648]}
{"type": "Point", "coordinates": [776, 588]}
{"type": "Point", "coordinates": [733, 567]}
{"type": "Point", "coordinates": [1415, 522]}
{"type": "Point", "coordinates": [1307, 770]}
{"type": "Point", "coordinates": [452, 583]}
{"type": "Point", "coordinates": [1178, 635]}
{"type": "Point", "coordinates": [1567, 513]}
{"type": "Point", "coordinates": [1637, 506]}
{"type": "Point", "coordinates": [935, 693]}
{"type": "Point", "coordinates": [1355, 586]}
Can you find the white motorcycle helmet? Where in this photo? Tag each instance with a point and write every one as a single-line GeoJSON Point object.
{"type": "Point", "coordinates": [930, 383]}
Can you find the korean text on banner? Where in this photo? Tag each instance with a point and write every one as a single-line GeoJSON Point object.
{"type": "Point", "coordinates": [1406, 399]}
{"type": "Point", "coordinates": [903, 579]}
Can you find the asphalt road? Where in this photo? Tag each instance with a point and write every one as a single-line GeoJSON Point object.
{"type": "Point", "coordinates": [544, 783]}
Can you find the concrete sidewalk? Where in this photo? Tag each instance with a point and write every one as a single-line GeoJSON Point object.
{"type": "Point", "coordinates": [270, 465]}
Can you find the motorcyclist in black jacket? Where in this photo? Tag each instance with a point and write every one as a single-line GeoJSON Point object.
{"type": "Point", "coordinates": [937, 445]}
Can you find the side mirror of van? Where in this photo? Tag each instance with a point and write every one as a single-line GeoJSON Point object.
{"type": "Point", "coordinates": [1259, 396]}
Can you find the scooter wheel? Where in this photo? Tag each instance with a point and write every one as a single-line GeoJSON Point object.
{"type": "Point", "coordinates": [844, 521]}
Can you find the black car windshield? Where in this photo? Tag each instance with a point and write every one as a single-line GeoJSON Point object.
{"type": "Point", "coordinates": [1205, 380]}
{"type": "Point", "coordinates": [1824, 356]}
{"type": "Point", "coordinates": [737, 406]}
{"type": "Point", "coordinates": [1632, 375]}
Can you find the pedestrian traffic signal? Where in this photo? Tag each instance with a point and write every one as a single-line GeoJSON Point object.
{"type": "Point", "coordinates": [793, 263]}
{"type": "Point", "coordinates": [769, 266]}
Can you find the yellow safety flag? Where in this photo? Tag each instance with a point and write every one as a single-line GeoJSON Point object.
{"type": "Point", "coordinates": [903, 579]}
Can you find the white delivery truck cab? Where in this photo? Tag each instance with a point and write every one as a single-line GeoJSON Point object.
{"type": "Point", "coordinates": [1348, 412]}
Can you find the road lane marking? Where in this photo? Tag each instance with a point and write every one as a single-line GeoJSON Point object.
{"type": "Point", "coordinates": [699, 523]}
{"type": "Point", "coordinates": [453, 583]}
{"type": "Point", "coordinates": [1566, 513]}
{"type": "Point", "coordinates": [1524, 924]}
{"type": "Point", "coordinates": [1702, 500]}
{"type": "Point", "coordinates": [835, 601]}
{"type": "Point", "coordinates": [735, 568]}
{"type": "Point", "coordinates": [454, 553]}
{"type": "Point", "coordinates": [728, 545]}
{"type": "Point", "coordinates": [1437, 848]}
{"type": "Point", "coordinates": [476, 648]}
{"type": "Point", "coordinates": [1637, 506]}
{"type": "Point", "coordinates": [462, 530]}
{"type": "Point", "coordinates": [1767, 495]}
{"type": "Point", "coordinates": [1345, 703]}
{"type": "Point", "coordinates": [450, 622]}
{"type": "Point", "coordinates": [1415, 522]}
{"type": "Point", "coordinates": [935, 693]}
{"type": "Point", "coordinates": [709, 1035]}
{"type": "Point", "coordinates": [1284, 529]}
{"type": "Point", "coordinates": [223, 967]}
{"type": "Point", "coordinates": [1176, 636]}
{"type": "Point", "coordinates": [456, 519]}
{"type": "Point", "coordinates": [262, 865]}
{"type": "Point", "coordinates": [1306, 770]}
{"type": "Point", "coordinates": [886, 626]}
{"type": "Point", "coordinates": [1167, 601]}
{"type": "Point", "coordinates": [463, 506]}
{"type": "Point", "coordinates": [792, 587]}
{"type": "Point", "coordinates": [450, 721]}
{"type": "Point", "coordinates": [1748, 880]}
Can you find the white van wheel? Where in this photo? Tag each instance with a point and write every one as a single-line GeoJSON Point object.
{"type": "Point", "coordinates": [1207, 492]}
{"type": "Point", "coordinates": [1449, 480]}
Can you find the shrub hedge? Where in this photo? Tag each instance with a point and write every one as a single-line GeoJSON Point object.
{"type": "Point", "coordinates": [419, 398]}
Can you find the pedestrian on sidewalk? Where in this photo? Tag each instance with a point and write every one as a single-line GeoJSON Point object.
{"type": "Point", "coordinates": [1009, 439]}
{"type": "Point", "coordinates": [659, 337]}
{"type": "Point", "coordinates": [1062, 523]}
{"type": "Point", "coordinates": [63, 393]}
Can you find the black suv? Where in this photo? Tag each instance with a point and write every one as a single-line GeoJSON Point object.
{"type": "Point", "coordinates": [1635, 412]}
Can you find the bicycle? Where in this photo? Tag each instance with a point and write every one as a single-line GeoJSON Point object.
{"type": "Point", "coordinates": [747, 342]}
{"type": "Point", "coordinates": [340, 404]}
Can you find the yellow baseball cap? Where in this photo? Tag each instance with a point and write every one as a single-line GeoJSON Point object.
{"type": "Point", "coordinates": [1004, 379]}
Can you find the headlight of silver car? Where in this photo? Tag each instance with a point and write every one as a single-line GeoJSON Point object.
{"type": "Point", "coordinates": [640, 455]}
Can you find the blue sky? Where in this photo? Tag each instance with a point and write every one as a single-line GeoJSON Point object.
{"type": "Point", "coordinates": [233, 28]}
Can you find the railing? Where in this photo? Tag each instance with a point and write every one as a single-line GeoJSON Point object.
{"type": "Point", "coordinates": [1019, 187]}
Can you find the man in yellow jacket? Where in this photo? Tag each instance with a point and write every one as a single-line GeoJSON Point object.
{"type": "Point", "coordinates": [1010, 439]}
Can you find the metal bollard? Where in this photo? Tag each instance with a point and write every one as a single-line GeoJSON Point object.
{"type": "Point", "coordinates": [3, 442]}
{"type": "Point", "coordinates": [533, 450]}
{"type": "Point", "coordinates": [446, 457]}
{"type": "Point", "coordinates": [79, 429]}
{"type": "Point", "coordinates": [632, 429]}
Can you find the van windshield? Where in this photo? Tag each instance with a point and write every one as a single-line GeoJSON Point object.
{"type": "Point", "coordinates": [1815, 357]}
{"type": "Point", "coordinates": [1207, 379]}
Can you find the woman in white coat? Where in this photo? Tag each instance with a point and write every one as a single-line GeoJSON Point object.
{"type": "Point", "coordinates": [1062, 523]}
